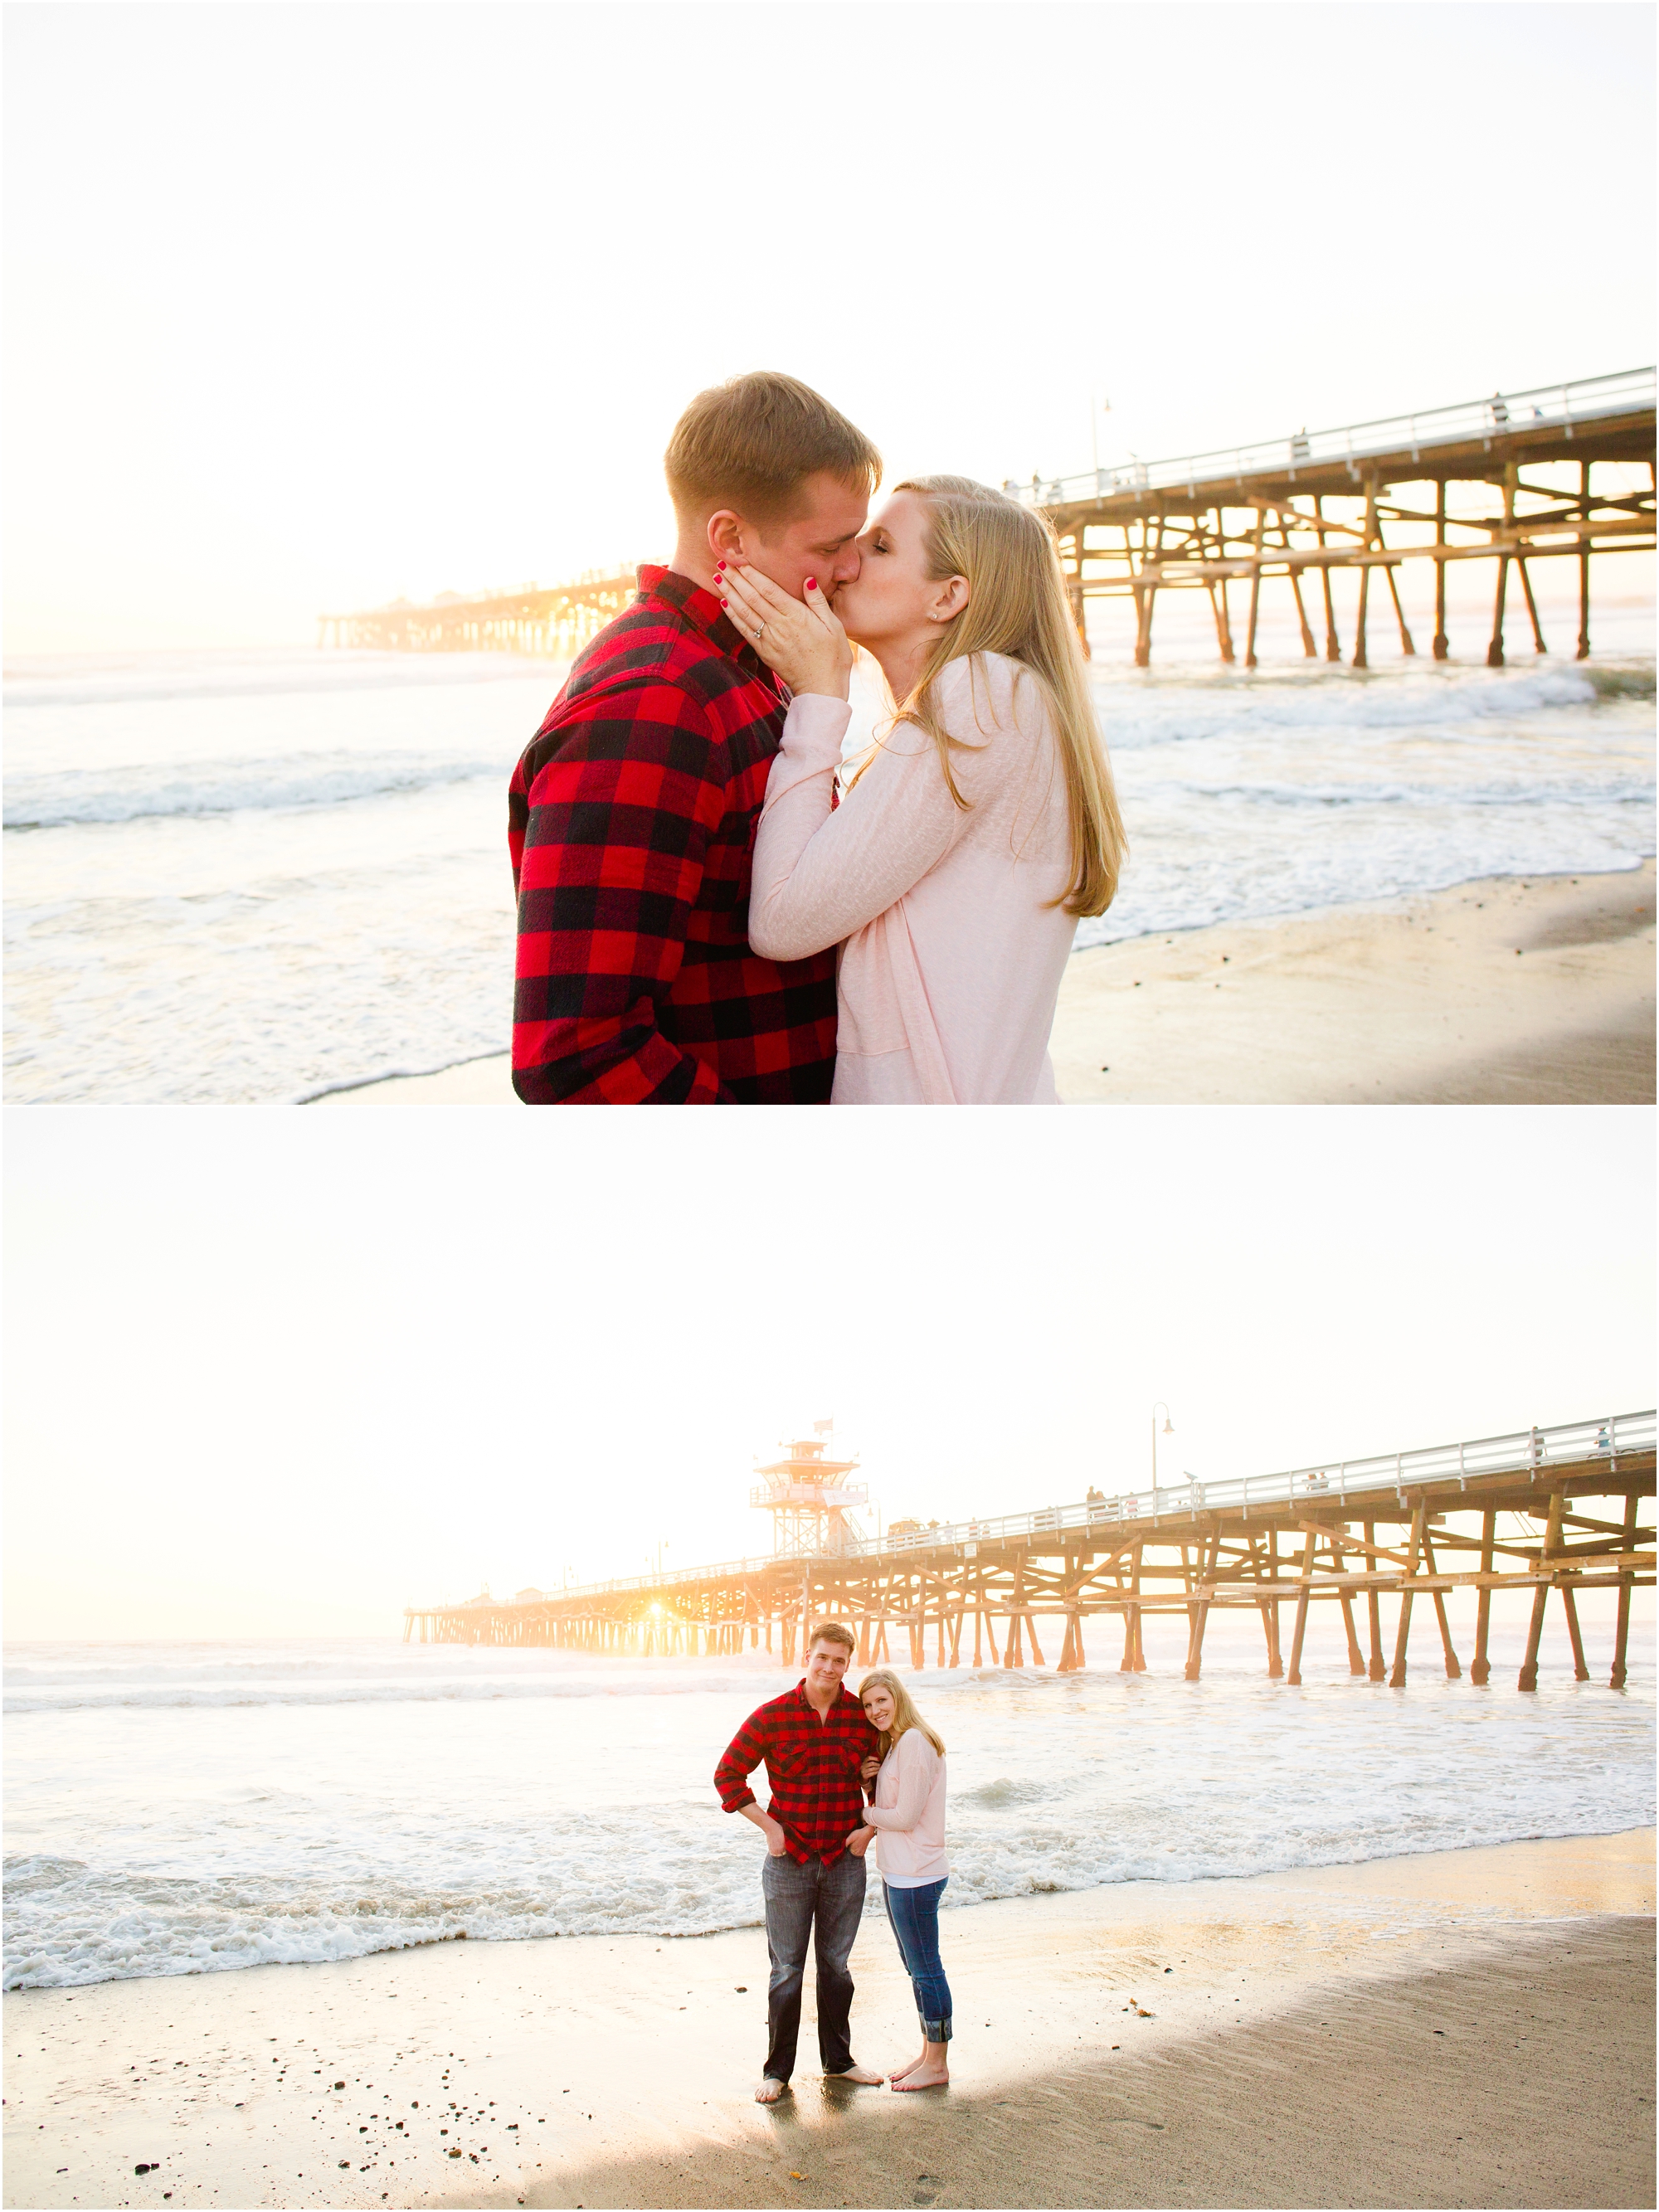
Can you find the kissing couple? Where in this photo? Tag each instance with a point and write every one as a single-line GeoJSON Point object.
{"type": "Point", "coordinates": [711, 908]}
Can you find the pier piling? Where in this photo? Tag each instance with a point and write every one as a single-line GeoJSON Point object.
{"type": "Point", "coordinates": [1529, 1677]}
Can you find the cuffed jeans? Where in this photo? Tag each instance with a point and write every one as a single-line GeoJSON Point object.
{"type": "Point", "coordinates": [824, 1902]}
{"type": "Point", "coordinates": [913, 1915]}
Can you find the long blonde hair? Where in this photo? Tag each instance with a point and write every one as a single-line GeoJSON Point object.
{"type": "Point", "coordinates": [905, 1716]}
{"type": "Point", "coordinates": [1018, 605]}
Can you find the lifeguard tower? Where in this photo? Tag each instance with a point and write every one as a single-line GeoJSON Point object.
{"type": "Point", "coordinates": [809, 1497]}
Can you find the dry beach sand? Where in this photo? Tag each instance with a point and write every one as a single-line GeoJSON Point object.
{"type": "Point", "coordinates": [1468, 2027]}
{"type": "Point", "coordinates": [1502, 992]}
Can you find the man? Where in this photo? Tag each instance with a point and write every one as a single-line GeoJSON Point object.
{"type": "Point", "coordinates": [814, 1740]}
{"type": "Point", "coordinates": [632, 814]}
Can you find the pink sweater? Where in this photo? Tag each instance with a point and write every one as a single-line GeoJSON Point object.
{"type": "Point", "coordinates": [908, 1813]}
{"type": "Point", "coordinates": [952, 954]}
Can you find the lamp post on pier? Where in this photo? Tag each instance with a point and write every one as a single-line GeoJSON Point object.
{"type": "Point", "coordinates": [1169, 1431]}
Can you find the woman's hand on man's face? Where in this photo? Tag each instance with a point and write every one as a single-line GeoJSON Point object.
{"type": "Point", "coordinates": [804, 642]}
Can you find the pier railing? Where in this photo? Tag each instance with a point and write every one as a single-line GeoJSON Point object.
{"type": "Point", "coordinates": [1563, 406]}
{"type": "Point", "coordinates": [1335, 1482]}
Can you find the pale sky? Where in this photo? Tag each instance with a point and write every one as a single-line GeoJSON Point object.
{"type": "Point", "coordinates": [311, 306]}
{"type": "Point", "coordinates": [275, 1372]}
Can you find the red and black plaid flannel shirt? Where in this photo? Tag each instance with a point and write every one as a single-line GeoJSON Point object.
{"type": "Point", "coordinates": [812, 1764]}
{"type": "Point", "coordinates": [631, 824]}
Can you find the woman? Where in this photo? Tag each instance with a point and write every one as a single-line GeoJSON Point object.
{"type": "Point", "coordinates": [907, 1823]}
{"type": "Point", "coordinates": [977, 832]}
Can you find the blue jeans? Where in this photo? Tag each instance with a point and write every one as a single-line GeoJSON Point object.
{"type": "Point", "coordinates": [823, 1905]}
{"type": "Point", "coordinates": [913, 1914]}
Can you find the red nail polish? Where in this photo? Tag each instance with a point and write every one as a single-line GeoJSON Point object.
{"type": "Point", "coordinates": [811, 583]}
{"type": "Point", "coordinates": [723, 602]}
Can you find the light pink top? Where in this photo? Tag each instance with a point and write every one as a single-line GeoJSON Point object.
{"type": "Point", "coordinates": [952, 955]}
{"type": "Point", "coordinates": [908, 1814]}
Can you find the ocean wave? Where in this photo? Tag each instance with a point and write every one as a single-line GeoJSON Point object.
{"type": "Point", "coordinates": [43, 1678]}
{"type": "Point", "coordinates": [70, 1922]}
{"type": "Point", "coordinates": [40, 1871]}
{"type": "Point", "coordinates": [1142, 709]}
{"type": "Point", "coordinates": [1639, 680]}
{"type": "Point", "coordinates": [1002, 1792]}
{"type": "Point", "coordinates": [35, 684]}
{"type": "Point", "coordinates": [147, 1669]}
{"type": "Point", "coordinates": [183, 1696]}
{"type": "Point", "coordinates": [49, 802]}
{"type": "Point", "coordinates": [1583, 793]}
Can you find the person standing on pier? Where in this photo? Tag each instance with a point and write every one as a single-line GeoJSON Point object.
{"type": "Point", "coordinates": [632, 813]}
{"type": "Point", "coordinates": [814, 1740]}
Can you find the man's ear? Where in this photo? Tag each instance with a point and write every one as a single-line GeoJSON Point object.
{"type": "Point", "coordinates": [726, 536]}
{"type": "Point", "coordinates": [954, 595]}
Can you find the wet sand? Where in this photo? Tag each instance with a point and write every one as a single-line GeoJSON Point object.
{"type": "Point", "coordinates": [1500, 992]}
{"type": "Point", "coordinates": [487, 1082]}
{"type": "Point", "coordinates": [1497, 993]}
{"type": "Point", "coordinates": [1466, 2028]}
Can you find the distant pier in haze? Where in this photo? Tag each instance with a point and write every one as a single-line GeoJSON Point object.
{"type": "Point", "coordinates": [553, 622]}
{"type": "Point", "coordinates": [1407, 1527]}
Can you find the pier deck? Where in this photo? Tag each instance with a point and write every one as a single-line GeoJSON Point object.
{"type": "Point", "coordinates": [1409, 1527]}
{"type": "Point", "coordinates": [1256, 513]}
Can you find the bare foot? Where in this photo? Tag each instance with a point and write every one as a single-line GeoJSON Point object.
{"type": "Point", "coordinates": [769, 2091]}
{"type": "Point", "coordinates": [923, 2077]}
{"type": "Point", "coordinates": [910, 2067]}
{"type": "Point", "coordinates": [860, 2073]}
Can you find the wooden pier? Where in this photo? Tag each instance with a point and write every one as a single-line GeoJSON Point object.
{"type": "Point", "coordinates": [1450, 484]}
{"type": "Point", "coordinates": [554, 622]}
{"type": "Point", "coordinates": [1538, 1515]}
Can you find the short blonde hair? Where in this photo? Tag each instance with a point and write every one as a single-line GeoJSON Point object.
{"type": "Point", "coordinates": [833, 1632]}
{"type": "Point", "coordinates": [905, 1716]}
